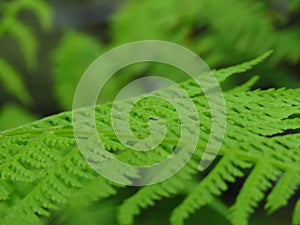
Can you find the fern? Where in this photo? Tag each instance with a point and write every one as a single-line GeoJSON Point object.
{"type": "Point", "coordinates": [78, 45]}
{"type": "Point", "coordinates": [42, 169]}
{"type": "Point", "coordinates": [13, 26]}
{"type": "Point", "coordinates": [13, 82]}
{"type": "Point", "coordinates": [211, 28]}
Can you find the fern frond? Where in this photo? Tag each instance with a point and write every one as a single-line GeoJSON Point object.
{"type": "Point", "coordinates": [228, 169]}
{"type": "Point", "coordinates": [223, 74]}
{"type": "Point", "coordinates": [55, 188]}
{"type": "Point", "coordinates": [27, 40]}
{"type": "Point", "coordinates": [147, 196]}
{"type": "Point", "coordinates": [42, 10]}
{"type": "Point", "coordinates": [13, 83]}
{"type": "Point", "coordinates": [246, 86]}
{"type": "Point", "coordinates": [44, 155]}
{"type": "Point", "coordinates": [252, 192]}
{"type": "Point", "coordinates": [65, 67]}
{"type": "Point", "coordinates": [193, 89]}
{"type": "Point", "coordinates": [93, 191]}
{"type": "Point", "coordinates": [12, 25]}
{"type": "Point", "coordinates": [198, 27]}
{"type": "Point", "coordinates": [283, 190]}
{"type": "Point", "coordinates": [4, 193]}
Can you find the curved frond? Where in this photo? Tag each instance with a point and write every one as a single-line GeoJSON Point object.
{"type": "Point", "coordinates": [262, 133]}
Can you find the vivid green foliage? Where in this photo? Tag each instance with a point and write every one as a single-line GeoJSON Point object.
{"type": "Point", "coordinates": [42, 169]}
{"type": "Point", "coordinates": [45, 180]}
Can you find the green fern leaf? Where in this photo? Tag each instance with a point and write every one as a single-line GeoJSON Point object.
{"type": "Point", "coordinates": [252, 192]}
{"type": "Point", "coordinates": [283, 190]}
{"type": "Point", "coordinates": [213, 185]}
{"type": "Point", "coordinates": [44, 156]}
{"type": "Point", "coordinates": [223, 74]}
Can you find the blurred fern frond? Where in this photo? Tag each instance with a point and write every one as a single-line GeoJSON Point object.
{"type": "Point", "coordinates": [12, 25]}
{"type": "Point", "coordinates": [241, 30]}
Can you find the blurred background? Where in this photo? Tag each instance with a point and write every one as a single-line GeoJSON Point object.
{"type": "Point", "coordinates": [45, 47]}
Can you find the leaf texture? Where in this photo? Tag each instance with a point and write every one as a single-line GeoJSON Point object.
{"type": "Point", "coordinates": [261, 145]}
